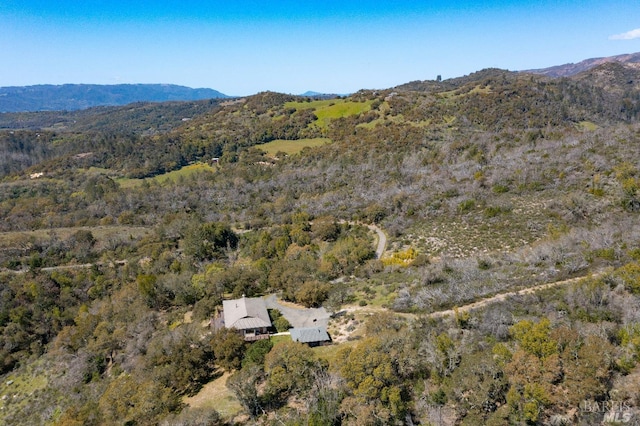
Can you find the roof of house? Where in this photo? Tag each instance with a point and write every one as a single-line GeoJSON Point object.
{"type": "Point", "coordinates": [246, 312]}
{"type": "Point", "coordinates": [309, 335]}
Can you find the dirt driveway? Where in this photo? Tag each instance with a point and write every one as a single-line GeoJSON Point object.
{"type": "Point", "coordinates": [503, 296]}
{"type": "Point", "coordinates": [299, 317]}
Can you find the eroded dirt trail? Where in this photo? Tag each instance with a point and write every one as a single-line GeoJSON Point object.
{"type": "Point", "coordinates": [502, 296]}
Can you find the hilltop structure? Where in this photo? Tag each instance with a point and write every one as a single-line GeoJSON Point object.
{"type": "Point", "coordinates": [249, 316]}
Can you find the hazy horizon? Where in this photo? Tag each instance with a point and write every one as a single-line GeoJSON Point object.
{"type": "Point", "coordinates": [293, 47]}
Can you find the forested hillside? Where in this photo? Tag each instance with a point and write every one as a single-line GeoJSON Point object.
{"type": "Point", "coordinates": [508, 291]}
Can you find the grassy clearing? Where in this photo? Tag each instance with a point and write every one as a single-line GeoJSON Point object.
{"type": "Point", "coordinates": [291, 147]}
{"type": "Point", "coordinates": [375, 295]}
{"type": "Point", "coordinates": [587, 126]}
{"type": "Point", "coordinates": [396, 119]}
{"type": "Point", "coordinates": [452, 94]}
{"type": "Point", "coordinates": [279, 339]}
{"type": "Point", "coordinates": [216, 395]}
{"type": "Point", "coordinates": [102, 234]}
{"type": "Point", "coordinates": [18, 387]}
{"type": "Point", "coordinates": [324, 105]}
{"type": "Point", "coordinates": [331, 109]}
{"type": "Point", "coordinates": [481, 90]}
{"type": "Point", "coordinates": [173, 176]}
{"type": "Point", "coordinates": [98, 170]}
{"type": "Point", "coordinates": [371, 124]}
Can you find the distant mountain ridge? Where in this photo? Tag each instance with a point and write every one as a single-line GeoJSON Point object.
{"type": "Point", "coordinates": [71, 97]}
{"type": "Point", "coordinates": [320, 95]}
{"type": "Point", "coordinates": [570, 69]}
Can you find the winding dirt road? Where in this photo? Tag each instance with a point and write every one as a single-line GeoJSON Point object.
{"type": "Point", "coordinates": [502, 296]}
{"type": "Point", "coordinates": [480, 303]}
{"type": "Point", "coordinates": [382, 237]}
{"type": "Point", "coordinates": [382, 240]}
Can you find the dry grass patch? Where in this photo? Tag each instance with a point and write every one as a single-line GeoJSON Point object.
{"type": "Point", "coordinates": [472, 234]}
{"type": "Point", "coordinates": [291, 147]}
{"type": "Point", "coordinates": [215, 395]}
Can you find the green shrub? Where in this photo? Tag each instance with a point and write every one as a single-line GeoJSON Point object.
{"type": "Point", "coordinates": [466, 206]}
{"type": "Point", "coordinates": [500, 189]}
{"type": "Point", "coordinates": [281, 324]}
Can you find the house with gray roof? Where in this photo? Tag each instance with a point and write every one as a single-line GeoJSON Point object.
{"type": "Point", "coordinates": [249, 316]}
{"type": "Point", "coordinates": [312, 336]}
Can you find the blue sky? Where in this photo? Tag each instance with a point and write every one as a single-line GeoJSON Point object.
{"type": "Point", "coordinates": [242, 47]}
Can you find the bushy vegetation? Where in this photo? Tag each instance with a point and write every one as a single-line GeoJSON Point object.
{"type": "Point", "coordinates": [117, 250]}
